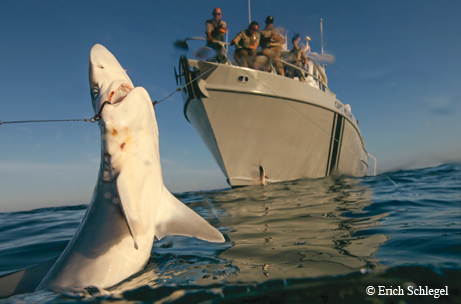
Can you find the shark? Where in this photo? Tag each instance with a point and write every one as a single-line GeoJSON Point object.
{"type": "Point", "coordinates": [130, 206]}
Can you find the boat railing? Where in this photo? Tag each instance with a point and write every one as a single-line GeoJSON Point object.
{"type": "Point", "coordinates": [374, 158]}
{"type": "Point", "coordinates": [320, 81]}
{"type": "Point", "coordinates": [320, 78]}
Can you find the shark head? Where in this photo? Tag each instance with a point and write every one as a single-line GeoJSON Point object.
{"type": "Point", "coordinates": [128, 123]}
{"type": "Point", "coordinates": [108, 80]}
{"type": "Point", "coordinates": [130, 161]}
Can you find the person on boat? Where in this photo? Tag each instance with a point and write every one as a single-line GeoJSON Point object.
{"type": "Point", "coordinates": [271, 41]}
{"type": "Point", "coordinates": [215, 30]}
{"type": "Point", "coordinates": [245, 44]}
{"type": "Point", "coordinates": [298, 58]}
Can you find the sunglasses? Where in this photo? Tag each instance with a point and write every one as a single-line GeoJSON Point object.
{"type": "Point", "coordinates": [216, 14]}
{"type": "Point", "coordinates": [254, 28]}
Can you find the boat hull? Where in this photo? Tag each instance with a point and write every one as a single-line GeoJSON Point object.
{"type": "Point", "coordinates": [249, 125]}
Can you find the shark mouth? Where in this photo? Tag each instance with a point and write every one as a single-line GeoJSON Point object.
{"type": "Point", "coordinates": [119, 94]}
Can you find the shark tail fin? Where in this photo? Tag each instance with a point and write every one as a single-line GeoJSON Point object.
{"type": "Point", "coordinates": [175, 218]}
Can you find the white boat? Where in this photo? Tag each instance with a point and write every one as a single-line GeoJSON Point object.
{"type": "Point", "coordinates": [262, 127]}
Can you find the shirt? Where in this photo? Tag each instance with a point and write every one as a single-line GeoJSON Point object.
{"type": "Point", "coordinates": [243, 40]}
{"type": "Point", "coordinates": [297, 55]}
{"type": "Point", "coordinates": [213, 27]}
{"type": "Point", "coordinates": [270, 38]}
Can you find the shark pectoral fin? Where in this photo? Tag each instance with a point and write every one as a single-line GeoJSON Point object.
{"type": "Point", "coordinates": [178, 219]}
{"type": "Point", "coordinates": [128, 206]}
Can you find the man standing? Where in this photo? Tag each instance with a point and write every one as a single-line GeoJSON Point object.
{"type": "Point", "coordinates": [271, 44]}
{"type": "Point", "coordinates": [245, 44]}
{"type": "Point", "coordinates": [297, 58]}
{"type": "Point", "coordinates": [215, 30]}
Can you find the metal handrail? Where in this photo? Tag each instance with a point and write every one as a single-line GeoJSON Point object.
{"type": "Point", "coordinates": [318, 79]}
{"type": "Point", "coordinates": [305, 72]}
{"type": "Point", "coordinates": [375, 162]}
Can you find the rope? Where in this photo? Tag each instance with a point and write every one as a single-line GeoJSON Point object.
{"type": "Point", "coordinates": [97, 117]}
{"type": "Point", "coordinates": [157, 102]}
{"type": "Point", "coordinates": [51, 120]}
{"type": "Point", "coordinates": [93, 119]}
{"type": "Point", "coordinates": [182, 87]}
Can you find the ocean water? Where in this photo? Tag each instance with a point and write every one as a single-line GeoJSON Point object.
{"type": "Point", "coordinates": [329, 240]}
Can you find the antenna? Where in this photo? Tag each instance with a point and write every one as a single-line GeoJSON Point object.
{"type": "Point", "coordinates": [321, 33]}
{"type": "Point", "coordinates": [249, 12]}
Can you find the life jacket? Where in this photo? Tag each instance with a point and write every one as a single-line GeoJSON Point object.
{"type": "Point", "coordinates": [269, 38]}
{"type": "Point", "coordinates": [296, 56]}
{"type": "Point", "coordinates": [215, 33]}
{"type": "Point", "coordinates": [245, 40]}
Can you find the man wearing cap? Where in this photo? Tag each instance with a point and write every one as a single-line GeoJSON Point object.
{"type": "Point", "coordinates": [245, 44]}
{"type": "Point", "coordinates": [271, 44]}
{"type": "Point", "coordinates": [215, 30]}
{"type": "Point", "coordinates": [297, 58]}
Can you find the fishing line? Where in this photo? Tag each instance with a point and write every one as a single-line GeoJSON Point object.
{"type": "Point", "coordinates": [93, 119]}
{"type": "Point", "coordinates": [182, 87]}
{"type": "Point", "coordinates": [50, 120]}
{"type": "Point", "coordinates": [97, 117]}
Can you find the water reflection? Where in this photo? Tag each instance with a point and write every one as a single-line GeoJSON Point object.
{"type": "Point", "coordinates": [299, 229]}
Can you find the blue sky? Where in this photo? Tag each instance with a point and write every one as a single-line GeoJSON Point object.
{"type": "Point", "coordinates": [397, 65]}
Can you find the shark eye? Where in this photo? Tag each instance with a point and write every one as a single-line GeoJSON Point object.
{"type": "Point", "coordinates": [94, 92]}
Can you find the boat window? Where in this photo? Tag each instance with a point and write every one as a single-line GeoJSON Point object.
{"type": "Point", "coordinates": [243, 79]}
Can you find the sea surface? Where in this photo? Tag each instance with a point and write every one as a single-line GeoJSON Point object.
{"type": "Point", "coordinates": [328, 240]}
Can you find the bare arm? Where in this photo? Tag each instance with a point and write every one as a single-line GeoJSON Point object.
{"type": "Point", "coordinates": [208, 36]}
{"type": "Point", "coordinates": [222, 27]}
{"type": "Point", "coordinates": [222, 30]}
